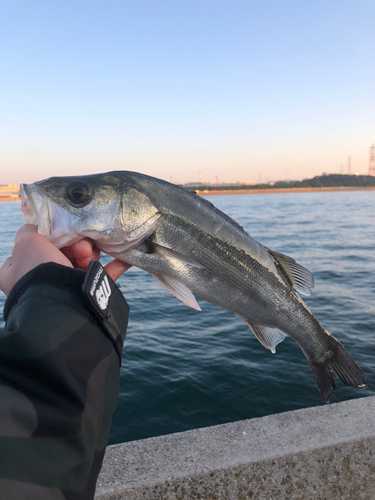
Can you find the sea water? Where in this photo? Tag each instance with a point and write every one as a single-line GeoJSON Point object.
{"type": "Point", "coordinates": [183, 369]}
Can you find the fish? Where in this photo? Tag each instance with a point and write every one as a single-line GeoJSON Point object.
{"type": "Point", "coordinates": [194, 250]}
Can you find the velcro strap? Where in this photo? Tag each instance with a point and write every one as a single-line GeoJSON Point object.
{"type": "Point", "coordinates": [98, 290]}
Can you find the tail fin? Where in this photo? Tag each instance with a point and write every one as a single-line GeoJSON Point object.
{"type": "Point", "coordinates": [342, 365]}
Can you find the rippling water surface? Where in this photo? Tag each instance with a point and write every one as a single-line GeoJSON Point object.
{"type": "Point", "coordinates": [184, 369]}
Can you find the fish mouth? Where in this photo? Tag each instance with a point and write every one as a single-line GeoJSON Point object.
{"type": "Point", "coordinates": [30, 207]}
{"type": "Point", "coordinates": [52, 220]}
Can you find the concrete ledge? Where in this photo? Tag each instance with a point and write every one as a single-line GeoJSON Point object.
{"type": "Point", "coordinates": [321, 453]}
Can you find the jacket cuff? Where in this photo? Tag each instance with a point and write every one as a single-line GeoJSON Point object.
{"type": "Point", "coordinates": [101, 295]}
{"type": "Point", "coordinates": [107, 303]}
{"type": "Point", "coordinates": [50, 273]}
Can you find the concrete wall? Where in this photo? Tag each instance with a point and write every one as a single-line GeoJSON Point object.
{"type": "Point", "coordinates": [321, 453]}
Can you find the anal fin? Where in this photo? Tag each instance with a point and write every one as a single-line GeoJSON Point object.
{"type": "Point", "coordinates": [268, 337]}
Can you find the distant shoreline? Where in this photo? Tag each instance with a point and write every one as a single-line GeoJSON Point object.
{"type": "Point", "coordinates": [284, 190]}
{"type": "Point", "coordinates": [257, 191]}
{"type": "Point", "coordinates": [10, 198]}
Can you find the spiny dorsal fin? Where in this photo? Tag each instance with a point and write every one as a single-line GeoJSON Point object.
{"type": "Point", "coordinates": [296, 275]}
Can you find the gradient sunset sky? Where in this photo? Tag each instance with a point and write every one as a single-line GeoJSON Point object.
{"type": "Point", "coordinates": [239, 90]}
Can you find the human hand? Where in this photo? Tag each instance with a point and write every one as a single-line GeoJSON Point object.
{"type": "Point", "coordinates": [31, 249]}
{"type": "Point", "coordinates": [81, 253]}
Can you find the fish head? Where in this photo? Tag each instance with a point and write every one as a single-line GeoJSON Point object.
{"type": "Point", "coordinates": [102, 207]}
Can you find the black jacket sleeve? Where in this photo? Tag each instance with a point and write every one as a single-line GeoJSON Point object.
{"type": "Point", "coordinates": [59, 381]}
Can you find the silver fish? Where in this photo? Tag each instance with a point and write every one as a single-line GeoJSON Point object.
{"type": "Point", "coordinates": [193, 249]}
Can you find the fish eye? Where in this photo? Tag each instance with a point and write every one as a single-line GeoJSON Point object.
{"type": "Point", "coordinates": [78, 194]}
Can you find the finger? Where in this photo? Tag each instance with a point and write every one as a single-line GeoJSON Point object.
{"type": "Point", "coordinates": [83, 249]}
{"type": "Point", "coordinates": [83, 263]}
{"type": "Point", "coordinates": [30, 245]}
{"type": "Point", "coordinates": [81, 253]}
{"type": "Point", "coordinates": [68, 252]}
{"type": "Point", "coordinates": [5, 270]}
{"type": "Point", "coordinates": [78, 250]}
{"type": "Point", "coordinates": [7, 262]}
{"type": "Point", "coordinates": [30, 249]}
{"type": "Point", "coordinates": [116, 268]}
{"type": "Point", "coordinates": [25, 230]}
{"type": "Point", "coordinates": [95, 254]}
{"type": "Point", "coordinates": [85, 252]}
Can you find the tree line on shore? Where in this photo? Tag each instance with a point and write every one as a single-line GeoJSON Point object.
{"type": "Point", "coordinates": [329, 180]}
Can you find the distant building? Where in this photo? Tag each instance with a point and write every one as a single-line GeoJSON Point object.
{"type": "Point", "coordinates": [9, 192]}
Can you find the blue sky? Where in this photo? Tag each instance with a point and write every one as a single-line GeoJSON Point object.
{"type": "Point", "coordinates": [239, 90]}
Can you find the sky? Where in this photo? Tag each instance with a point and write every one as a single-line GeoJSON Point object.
{"type": "Point", "coordinates": [237, 90]}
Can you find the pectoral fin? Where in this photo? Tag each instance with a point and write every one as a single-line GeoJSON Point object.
{"type": "Point", "coordinates": [178, 289]}
{"type": "Point", "coordinates": [153, 247]}
{"type": "Point", "coordinates": [269, 337]}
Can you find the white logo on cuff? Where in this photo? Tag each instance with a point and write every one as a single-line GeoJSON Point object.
{"type": "Point", "coordinates": [103, 293]}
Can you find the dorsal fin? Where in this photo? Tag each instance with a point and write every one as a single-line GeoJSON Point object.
{"type": "Point", "coordinates": [296, 275]}
{"type": "Point", "coordinates": [220, 213]}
